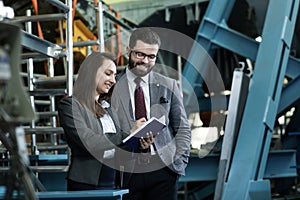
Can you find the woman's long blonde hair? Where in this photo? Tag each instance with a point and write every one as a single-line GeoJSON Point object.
{"type": "Point", "coordinates": [85, 88]}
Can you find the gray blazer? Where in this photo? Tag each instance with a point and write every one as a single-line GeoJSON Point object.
{"type": "Point", "coordinates": [85, 137]}
{"type": "Point", "coordinates": [173, 144]}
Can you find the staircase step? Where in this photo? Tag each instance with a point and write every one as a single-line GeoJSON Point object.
{"type": "Point", "coordinates": [35, 56]}
{"type": "Point", "coordinates": [44, 130]}
{"type": "Point", "coordinates": [52, 147]}
{"type": "Point", "coordinates": [42, 102]}
{"type": "Point", "coordinates": [47, 92]}
{"type": "Point", "coordinates": [55, 81]}
{"type": "Point", "coordinates": [44, 115]}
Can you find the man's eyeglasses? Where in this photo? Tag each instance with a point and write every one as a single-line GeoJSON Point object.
{"type": "Point", "coordinates": [141, 55]}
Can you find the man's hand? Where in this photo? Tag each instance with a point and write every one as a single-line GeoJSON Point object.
{"type": "Point", "coordinates": [146, 142]}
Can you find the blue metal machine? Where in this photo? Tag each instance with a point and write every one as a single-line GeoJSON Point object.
{"type": "Point", "coordinates": [266, 96]}
{"type": "Point", "coordinates": [246, 164]}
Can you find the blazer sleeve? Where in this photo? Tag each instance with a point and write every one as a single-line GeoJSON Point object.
{"type": "Point", "coordinates": [180, 126]}
{"type": "Point", "coordinates": [83, 129]}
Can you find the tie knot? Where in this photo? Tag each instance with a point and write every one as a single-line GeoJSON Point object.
{"type": "Point", "coordinates": [137, 80]}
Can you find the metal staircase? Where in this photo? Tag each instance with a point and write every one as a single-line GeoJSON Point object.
{"type": "Point", "coordinates": [48, 152]}
{"type": "Point", "coordinates": [45, 133]}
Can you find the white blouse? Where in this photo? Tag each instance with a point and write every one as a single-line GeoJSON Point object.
{"type": "Point", "coordinates": [108, 127]}
{"type": "Point", "coordinates": [106, 121]}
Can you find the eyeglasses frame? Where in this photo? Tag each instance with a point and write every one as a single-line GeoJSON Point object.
{"type": "Point", "coordinates": [143, 56]}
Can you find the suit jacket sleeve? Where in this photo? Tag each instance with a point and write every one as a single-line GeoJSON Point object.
{"type": "Point", "coordinates": [83, 129]}
{"type": "Point", "coordinates": [179, 124]}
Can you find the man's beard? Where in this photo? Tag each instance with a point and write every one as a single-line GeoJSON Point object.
{"type": "Point", "coordinates": [132, 66]}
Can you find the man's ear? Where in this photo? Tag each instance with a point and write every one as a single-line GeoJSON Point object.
{"type": "Point", "coordinates": [128, 50]}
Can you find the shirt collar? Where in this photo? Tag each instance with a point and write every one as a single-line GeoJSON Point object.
{"type": "Point", "coordinates": [105, 104]}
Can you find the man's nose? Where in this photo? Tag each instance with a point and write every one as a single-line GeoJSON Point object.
{"type": "Point", "coordinates": [146, 59]}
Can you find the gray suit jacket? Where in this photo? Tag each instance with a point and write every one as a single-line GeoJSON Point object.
{"type": "Point", "coordinates": [85, 137]}
{"type": "Point", "coordinates": [173, 144]}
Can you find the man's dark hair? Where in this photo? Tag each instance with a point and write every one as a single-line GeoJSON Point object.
{"type": "Point", "coordinates": [146, 35]}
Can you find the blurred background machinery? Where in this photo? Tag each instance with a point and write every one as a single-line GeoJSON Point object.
{"type": "Point", "coordinates": [236, 61]}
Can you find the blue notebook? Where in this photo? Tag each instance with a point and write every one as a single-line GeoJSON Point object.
{"type": "Point", "coordinates": [153, 125]}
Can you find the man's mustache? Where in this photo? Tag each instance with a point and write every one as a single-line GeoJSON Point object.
{"type": "Point", "coordinates": [141, 63]}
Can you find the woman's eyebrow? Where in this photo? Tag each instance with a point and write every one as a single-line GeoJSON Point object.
{"type": "Point", "coordinates": [110, 70]}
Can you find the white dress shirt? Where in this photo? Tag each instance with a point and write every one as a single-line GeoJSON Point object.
{"type": "Point", "coordinates": [144, 85]}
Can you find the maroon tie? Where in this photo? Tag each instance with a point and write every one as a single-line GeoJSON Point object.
{"type": "Point", "coordinates": [139, 101]}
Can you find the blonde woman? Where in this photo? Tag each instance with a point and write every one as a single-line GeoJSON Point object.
{"type": "Point", "coordinates": [89, 128]}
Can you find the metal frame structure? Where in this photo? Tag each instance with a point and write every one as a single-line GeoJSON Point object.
{"type": "Point", "coordinates": [266, 97]}
{"type": "Point", "coordinates": [41, 49]}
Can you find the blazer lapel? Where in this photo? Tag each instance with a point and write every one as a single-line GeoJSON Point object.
{"type": "Point", "coordinates": [155, 92]}
{"type": "Point", "coordinates": [122, 91]}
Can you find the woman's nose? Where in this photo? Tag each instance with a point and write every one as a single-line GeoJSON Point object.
{"type": "Point", "coordinates": [113, 79]}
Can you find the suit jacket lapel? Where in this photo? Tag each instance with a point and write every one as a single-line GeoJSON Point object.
{"type": "Point", "coordinates": [123, 92]}
{"type": "Point", "coordinates": [154, 90]}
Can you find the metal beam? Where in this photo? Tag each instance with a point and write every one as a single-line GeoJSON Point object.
{"type": "Point", "coordinates": [289, 97]}
{"type": "Point", "coordinates": [37, 44]}
{"type": "Point", "coordinates": [262, 102]}
{"type": "Point", "coordinates": [60, 5]}
{"type": "Point", "coordinates": [37, 18]}
{"type": "Point", "coordinates": [214, 33]}
{"type": "Point", "coordinates": [280, 164]}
